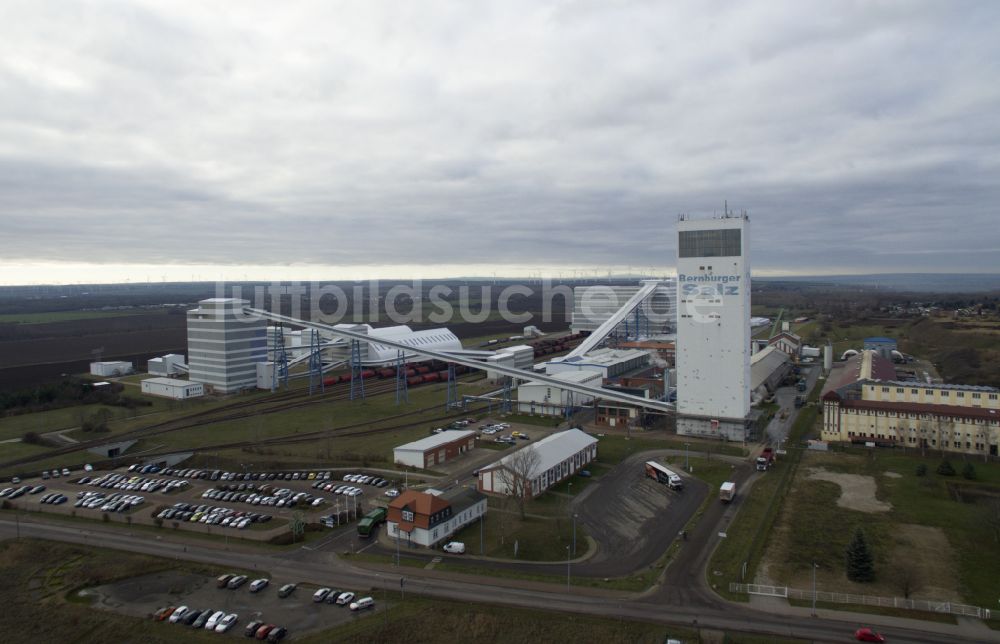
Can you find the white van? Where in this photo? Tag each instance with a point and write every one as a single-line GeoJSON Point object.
{"type": "Point", "coordinates": [363, 603]}
{"type": "Point", "coordinates": [455, 547]}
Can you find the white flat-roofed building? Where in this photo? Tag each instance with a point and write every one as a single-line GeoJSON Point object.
{"type": "Point", "coordinates": [436, 449]}
{"type": "Point", "coordinates": [172, 388]}
{"type": "Point", "coordinates": [112, 368]}
{"type": "Point", "coordinates": [225, 345]}
{"type": "Point", "coordinates": [168, 365]}
{"type": "Point", "coordinates": [549, 400]}
{"type": "Point", "coordinates": [557, 457]}
{"type": "Point", "coordinates": [611, 363]}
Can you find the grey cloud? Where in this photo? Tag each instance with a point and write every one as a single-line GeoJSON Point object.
{"type": "Point", "coordinates": [861, 137]}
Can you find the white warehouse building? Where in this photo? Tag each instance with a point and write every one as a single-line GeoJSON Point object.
{"type": "Point", "coordinates": [172, 388]}
{"type": "Point", "coordinates": [546, 400]}
{"type": "Point", "coordinates": [168, 365]}
{"type": "Point", "coordinates": [557, 457]}
{"type": "Point", "coordinates": [374, 354]}
{"type": "Point", "coordinates": [111, 368]}
{"type": "Point", "coordinates": [611, 363]}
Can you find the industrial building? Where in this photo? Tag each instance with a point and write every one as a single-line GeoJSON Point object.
{"type": "Point", "coordinates": [952, 418]}
{"type": "Point", "coordinates": [885, 346]}
{"type": "Point", "coordinates": [713, 327]}
{"type": "Point", "coordinates": [168, 365]}
{"type": "Point", "coordinates": [376, 354]}
{"type": "Point", "coordinates": [521, 356]}
{"type": "Point", "coordinates": [543, 399]}
{"type": "Point", "coordinates": [610, 363]}
{"type": "Point", "coordinates": [787, 342]}
{"type": "Point", "coordinates": [654, 318]}
{"type": "Point", "coordinates": [225, 345]}
{"type": "Point", "coordinates": [435, 450]}
{"type": "Point", "coordinates": [111, 369]}
{"type": "Point", "coordinates": [172, 388]}
{"type": "Point", "coordinates": [424, 519]}
{"type": "Point", "coordinates": [767, 369]}
{"type": "Point", "coordinates": [555, 458]}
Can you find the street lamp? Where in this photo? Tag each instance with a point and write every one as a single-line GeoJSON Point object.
{"type": "Point", "coordinates": [575, 515]}
{"type": "Point", "coordinates": [686, 466]}
{"type": "Point", "coordinates": [814, 567]}
{"type": "Point", "coordinates": [567, 567]}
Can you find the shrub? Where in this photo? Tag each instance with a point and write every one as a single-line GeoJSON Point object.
{"type": "Point", "coordinates": [969, 472]}
{"type": "Point", "coordinates": [946, 468]}
{"type": "Point", "coordinates": [922, 469]}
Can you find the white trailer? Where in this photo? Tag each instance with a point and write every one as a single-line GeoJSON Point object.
{"type": "Point", "coordinates": [727, 491]}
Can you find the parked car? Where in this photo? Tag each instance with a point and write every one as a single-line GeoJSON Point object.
{"type": "Point", "coordinates": [163, 613]}
{"type": "Point", "coordinates": [455, 547]}
{"type": "Point", "coordinates": [252, 627]}
{"type": "Point", "coordinates": [214, 620]}
{"type": "Point", "coordinates": [392, 494]}
{"type": "Point", "coordinates": [178, 614]}
{"type": "Point", "coordinates": [584, 473]}
{"type": "Point", "coordinates": [226, 623]}
{"type": "Point", "coordinates": [258, 585]}
{"type": "Point", "coordinates": [264, 630]}
{"type": "Point", "coordinates": [345, 598]}
{"type": "Point", "coordinates": [277, 634]}
{"type": "Point", "coordinates": [332, 597]}
{"type": "Point", "coordinates": [191, 617]}
{"type": "Point", "coordinates": [203, 618]}
{"type": "Point", "coordinates": [320, 594]}
{"type": "Point", "coordinates": [363, 603]}
{"type": "Point", "coordinates": [236, 582]}
{"type": "Point", "coordinates": [866, 634]}
{"type": "Point", "coordinates": [223, 580]}
{"type": "Point", "coordinates": [286, 590]}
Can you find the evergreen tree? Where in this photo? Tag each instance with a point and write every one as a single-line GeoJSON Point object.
{"type": "Point", "coordinates": [946, 468]}
{"type": "Point", "coordinates": [969, 472]}
{"type": "Point", "coordinates": [860, 562]}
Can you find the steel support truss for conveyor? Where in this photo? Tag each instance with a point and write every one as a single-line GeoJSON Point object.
{"type": "Point", "coordinates": [601, 332]}
{"type": "Point", "coordinates": [445, 356]}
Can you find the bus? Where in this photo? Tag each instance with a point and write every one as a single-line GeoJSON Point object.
{"type": "Point", "coordinates": [663, 475]}
{"type": "Point", "coordinates": [369, 522]}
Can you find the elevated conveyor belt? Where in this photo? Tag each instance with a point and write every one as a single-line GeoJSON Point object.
{"type": "Point", "coordinates": [445, 356]}
{"type": "Point", "coordinates": [601, 332]}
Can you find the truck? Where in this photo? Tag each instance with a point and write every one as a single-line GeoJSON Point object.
{"type": "Point", "coordinates": [765, 460]}
{"type": "Point", "coordinates": [663, 475]}
{"type": "Point", "coordinates": [727, 491]}
{"type": "Point", "coordinates": [801, 384]}
{"type": "Point", "coordinates": [799, 402]}
{"type": "Point", "coordinates": [371, 521]}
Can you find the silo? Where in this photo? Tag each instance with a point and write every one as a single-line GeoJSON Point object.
{"type": "Point", "coordinates": [828, 357]}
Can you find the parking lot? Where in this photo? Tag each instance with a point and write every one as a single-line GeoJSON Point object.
{"type": "Point", "coordinates": [143, 596]}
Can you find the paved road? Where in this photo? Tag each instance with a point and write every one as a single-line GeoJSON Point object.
{"type": "Point", "coordinates": [321, 568]}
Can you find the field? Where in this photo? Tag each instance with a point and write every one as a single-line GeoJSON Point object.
{"type": "Point", "coordinates": [42, 579]}
{"type": "Point", "coordinates": [61, 316]}
{"type": "Point", "coordinates": [51, 582]}
{"type": "Point", "coordinates": [947, 518]}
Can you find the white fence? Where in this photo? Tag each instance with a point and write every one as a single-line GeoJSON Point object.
{"type": "Point", "coordinates": [862, 600]}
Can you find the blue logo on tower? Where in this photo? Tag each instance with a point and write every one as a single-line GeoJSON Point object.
{"type": "Point", "coordinates": [709, 285]}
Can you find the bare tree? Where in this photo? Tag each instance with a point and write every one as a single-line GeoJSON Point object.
{"type": "Point", "coordinates": [517, 473]}
{"type": "Point", "coordinates": [906, 578]}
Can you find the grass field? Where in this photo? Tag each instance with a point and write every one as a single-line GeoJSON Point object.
{"type": "Point", "coordinates": [41, 577]}
{"type": "Point", "coordinates": [813, 527]}
{"type": "Point", "coordinates": [62, 316]}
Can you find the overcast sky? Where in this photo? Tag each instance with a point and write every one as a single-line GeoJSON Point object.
{"type": "Point", "coordinates": [421, 138]}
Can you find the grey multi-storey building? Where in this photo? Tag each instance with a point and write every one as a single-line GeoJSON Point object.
{"type": "Point", "coordinates": [224, 345]}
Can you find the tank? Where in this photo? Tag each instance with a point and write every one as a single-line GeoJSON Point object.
{"type": "Point", "coordinates": [368, 373]}
{"type": "Point", "coordinates": [423, 370]}
{"type": "Point", "coordinates": [414, 380]}
{"type": "Point", "coordinates": [329, 382]}
{"type": "Point", "coordinates": [431, 377]}
{"type": "Point", "coordinates": [386, 373]}
{"type": "Point", "coordinates": [411, 372]}
{"type": "Point", "coordinates": [828, 358]}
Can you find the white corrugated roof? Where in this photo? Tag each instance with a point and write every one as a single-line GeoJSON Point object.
{"type": "Point", "coordinates": [172, 382]}
{"type": "Point", "coordinates": [554, 449]}
{"type": "Point", "coordinates": [437, 440]}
